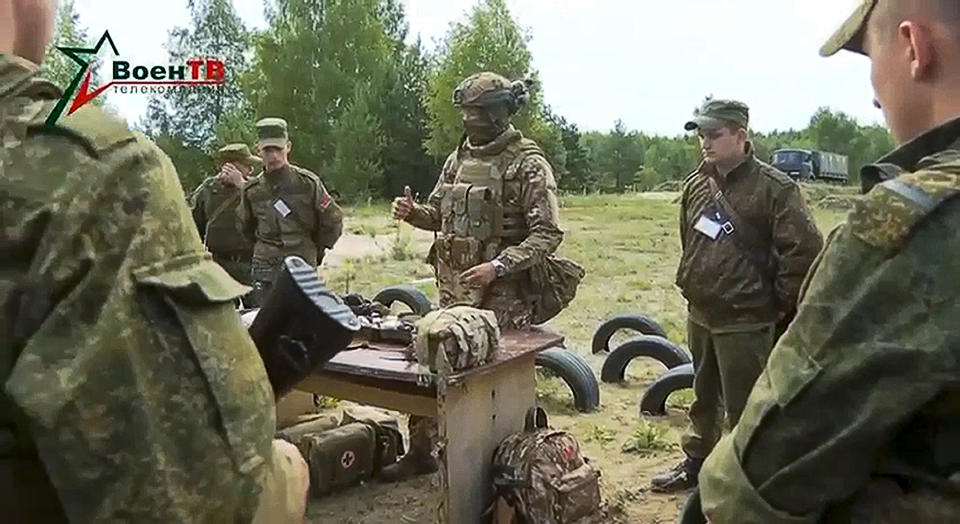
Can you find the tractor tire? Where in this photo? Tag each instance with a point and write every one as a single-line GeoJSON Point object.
{"type": "Point", "coordinates": [575, 371]}
{"type": "Point", "coordinates": [642, 323]}
{"type": "Point", "coordinates": [406, 295]}
{"type": "Point", "coordinates": [661, 349]}
{"type": "Point", "coordinates": [654, 401]}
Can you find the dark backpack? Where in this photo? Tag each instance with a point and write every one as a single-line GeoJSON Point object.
{"type": "Point", "coordinates": [543, 476]}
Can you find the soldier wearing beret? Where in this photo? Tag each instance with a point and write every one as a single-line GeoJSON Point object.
{"type": "Point", "coordinates": [285, 210]}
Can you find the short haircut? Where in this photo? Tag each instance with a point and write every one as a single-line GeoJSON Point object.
{"type": "Point", "coordinates": [889, 13]}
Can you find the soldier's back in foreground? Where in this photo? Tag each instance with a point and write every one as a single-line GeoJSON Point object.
{"type": "Point", "coordinates": [855, 418]}
{"type": "Point", "coordinates": [131, 392]}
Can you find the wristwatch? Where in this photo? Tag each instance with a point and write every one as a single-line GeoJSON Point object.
{"type": "Point", "coordinates": [499, 268]}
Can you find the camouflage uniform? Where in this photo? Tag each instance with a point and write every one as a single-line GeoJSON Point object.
{"type": "Point", "coordinates": [286, 212]}
{"type": "Point", "coordinates": [737, 290]}
{"type": "Point", "coordinates": [495, 201]}
{"type": "Point", "coordinates": [855, 418]}
{"type": "Point", "coordinates": [131, 392]}
{"type": "Point", "coordinates": [215, 206]}
{"type": "Point", "coordinates": [859, 401]}
{"type": "Point", "coordinates": [492, 202]}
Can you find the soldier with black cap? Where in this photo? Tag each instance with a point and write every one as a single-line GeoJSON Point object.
{"type": "Point", "coordinates": [856, 418]}
{"type": "Point", "coordinates": [214, 206]}
{"type": "Point", "coordinates": [748, 241]}
{"type": "Point", "coordinates": [285, 210]}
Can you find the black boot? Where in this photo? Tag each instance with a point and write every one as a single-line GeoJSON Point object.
{"type": "Point", "coordinates": [682, 477]}
{"type": "Point", "coordinates": [419, 460]}
{"type": "Point", "coordinates": [412, 464]}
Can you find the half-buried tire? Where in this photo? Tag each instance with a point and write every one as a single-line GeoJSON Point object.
{"type": "Point", "coordinates": [658, 348]}
{"type": "Point", "coordinates": [634, 322]}
{"type": "Point", "coordinates": [409, 296]}
{"type": "Point", "coordinates": [575, 371]}
{"type": "Point", "coordinates": [654, 401]}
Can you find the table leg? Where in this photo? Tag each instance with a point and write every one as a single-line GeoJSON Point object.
{"type": "Point", "coordinates": [474, 416]}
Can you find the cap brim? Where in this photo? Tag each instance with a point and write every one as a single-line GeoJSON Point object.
{"type": "Point", "coordinates": [272, 142]}
{"type": "Point", "coordinates": [705, 122]}
{"type": "Point", "coordinates": [850, 34]}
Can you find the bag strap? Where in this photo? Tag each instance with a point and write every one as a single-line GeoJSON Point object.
{"type": "Point", "coordinates": [747, 238]}
{"type": "Point", "coordinates": [223, 207]}
{"type": "Point", "coordinates": [216, 214]}
{"type": "Point", "coordinates": [536, 419]}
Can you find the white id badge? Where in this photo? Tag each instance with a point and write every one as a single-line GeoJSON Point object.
{"type": "Point", "coordinates": [708, 227]}
{"type": "Point", "coordinates": [281, 208]}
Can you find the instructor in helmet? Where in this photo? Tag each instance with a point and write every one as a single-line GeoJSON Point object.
{"type": "Point", "coordinates": [495, 209]}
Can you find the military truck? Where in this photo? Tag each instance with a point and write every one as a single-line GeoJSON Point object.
{"type": "Point", "coordinates": [807, 165]}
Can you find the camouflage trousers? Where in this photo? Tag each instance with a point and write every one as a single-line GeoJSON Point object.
{"type": "Point", "coordinates": [505, 297]}
{"type": "Point", "coordinates": [726, 363]}
{"type": "Point", "coordinates": [509, 302]}
{"type": "Point", "coordinates": [262, 275]}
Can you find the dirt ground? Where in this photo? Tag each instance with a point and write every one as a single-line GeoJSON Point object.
{"type": "Point", "coordinates": [625, 476]}
{"type": "Point", "coordinates": [629, 247]}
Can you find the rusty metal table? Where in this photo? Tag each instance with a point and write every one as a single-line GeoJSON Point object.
{"type": "Point", "coordinates": [475, 409]}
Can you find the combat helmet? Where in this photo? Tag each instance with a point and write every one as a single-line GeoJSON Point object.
{"type": "Point", "coordinates": [488, 89]}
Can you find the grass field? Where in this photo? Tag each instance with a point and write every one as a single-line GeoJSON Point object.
{"type": "Point", "coordinates": [630, 247]}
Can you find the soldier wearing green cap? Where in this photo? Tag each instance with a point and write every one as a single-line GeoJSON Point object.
{"type": "Point", "coordinates": [748, 239]}
{"type": "Point", "coordinates": [856, 417]}
{"type": "Point", "coordinates": [285, 210]}
{"type": "Point", "coordinates": [215, 204]}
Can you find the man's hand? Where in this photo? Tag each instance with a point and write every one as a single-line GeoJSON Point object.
{"type": "Point", "coordinates": [479, 276]}
{"type": "Point", "coordinates": [230, 175]}
{"type": "Point", "coordinates": [402, 206]}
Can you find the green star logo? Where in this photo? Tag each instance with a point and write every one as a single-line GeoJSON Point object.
{"type": "Point", "coordinates": [82, 56]}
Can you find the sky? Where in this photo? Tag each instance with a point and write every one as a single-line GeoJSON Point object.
{"type": "Point", "coordinates": [646, 62]}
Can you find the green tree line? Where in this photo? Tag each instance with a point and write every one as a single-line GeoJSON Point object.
{"type": "Point", "coordinates": [371, 111]}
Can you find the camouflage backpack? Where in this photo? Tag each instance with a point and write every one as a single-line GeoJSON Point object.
{"type": "Point", "coordinates": [553, 283]}
{"type": "Point", "coordinates": [543, 476]}
{"type": "Point", "coordinates": [456, 338]}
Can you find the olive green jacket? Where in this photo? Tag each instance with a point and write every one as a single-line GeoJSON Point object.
{"type": "Point", "coordinates": [723, 284]}
{"type": "Point", "coordinates": [289, 212]}
{"type": "Point", "coordinates": [215, 208]}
